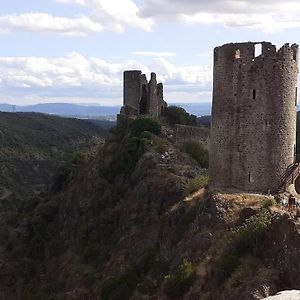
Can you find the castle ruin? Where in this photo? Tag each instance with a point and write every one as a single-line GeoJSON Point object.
{"type": "Point", "coordinates": [140, 96]}
{"type": "Point", "coordinates": [253, 130]}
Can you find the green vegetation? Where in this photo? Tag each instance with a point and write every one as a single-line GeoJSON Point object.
{"type": "Point", "coordinates": [122, 287]}
{"type": "Point", "coordinates": [33, 146]}
{"type": "Point", "coordinates": [195, 184]}
{"type": "Point", "coordinates": [243, 241]}
{"type": "Point", "coordinates": [79, 158]}
{"type": "Point", "coordinates": [139, 125]}
{"type": "Point", "coordinates": [177, 115]}
{"type": "Point", "coordinates": [197, 151]}
{"type": "Point", "coordinates": [128, 146]}
{"type": "Point", "coordinates": [178, 283]}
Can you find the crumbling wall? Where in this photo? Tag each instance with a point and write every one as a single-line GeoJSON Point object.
{"type": "Point", "coordinates": [141, 97]}
{"type": "Point", "coordinates": [253, 129]}
{"type": "Point", "coordinates": [184, 133]}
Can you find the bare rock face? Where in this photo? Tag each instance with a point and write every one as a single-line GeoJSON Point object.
{"type": "Point", "coordinates": [253, 129]}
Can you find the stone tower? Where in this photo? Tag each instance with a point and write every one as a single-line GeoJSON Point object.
{"type": "Point", "coordinates": [253, 130]}
{"type": "Point", "coordinates": [142, 97]}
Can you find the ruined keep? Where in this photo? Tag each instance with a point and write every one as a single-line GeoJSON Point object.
{"type": "Point", "coordinates": [253, 129]}
{"type": "Point", "coordinates": [142, 97]}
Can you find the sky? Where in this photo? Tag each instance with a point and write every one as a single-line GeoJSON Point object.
{"type": "Point", "coordinates": [75, 51]}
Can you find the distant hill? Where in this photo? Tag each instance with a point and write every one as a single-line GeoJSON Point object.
{"type": "Point", "coordinates": [33, 146]}
{"type": "Point", "coordinates": [92, 111]}
{"type": "Point", "coordinates": [197, 109]}
{"type": "Point", "coordinates": [64, 109]}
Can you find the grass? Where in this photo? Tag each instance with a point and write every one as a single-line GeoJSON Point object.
{"type": "Point", "coordinates": [195, 184]}
{"type": "Point", "coordinates": [197, 151]}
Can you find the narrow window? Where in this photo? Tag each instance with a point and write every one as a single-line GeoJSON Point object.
{"type": "Point", "coordinates": [253, 94]}
{"type": "Point", "coordinates": [294, 55]}
{"type": "Point", "coordinates": [249, 177]}
{"type": "Point", "coordinates": [258, 50]}
{"type": "Point", "coordinates": [237, 54]}
{"type": "Point", "coordinates": [296, 96]}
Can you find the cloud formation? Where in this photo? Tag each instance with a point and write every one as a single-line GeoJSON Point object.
{"type": "Point", "coordinates": [81, 77]}
{"type": "Point", "coordinates": [41, 22]}
{"type": "Point", "coordinates": [115, 15]}
{"type": "Point", "coordinates": [269, 16]}
{"type": "Point", "coordinates": [153, 53]}
{"type": "Point", "coordinates": [102, 15]}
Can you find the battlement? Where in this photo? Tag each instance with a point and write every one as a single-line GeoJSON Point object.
{"type": "Point", "coordinates": [141, 97]}
{"type": "Point", "coordinates": [255, 51]}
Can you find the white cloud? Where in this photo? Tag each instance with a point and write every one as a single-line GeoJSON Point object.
{"type": "Point", "coordinates": [41, 22]}
{"type": "Point", "coordinates": [268, 15]}
{"type": "Point", "coordinates": [153, 53]}
{"type": "Point", "coordinates": [74, 76]}
{"type": "Point", "coordinates": [115, 15]}
{"type": "Point", "coordinates": [101, 15]}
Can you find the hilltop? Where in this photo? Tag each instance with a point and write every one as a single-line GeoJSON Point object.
{"type": "Point", "coordinates": [137, 222]}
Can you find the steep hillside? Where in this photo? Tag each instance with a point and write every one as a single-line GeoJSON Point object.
{"type": "Point", "coordinates": [33, 146]}
{"type": "Point", "coordinates": [137, 222]}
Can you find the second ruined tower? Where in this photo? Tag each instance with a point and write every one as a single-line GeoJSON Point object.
{"type": "Point", "coordinates": [253, 131]}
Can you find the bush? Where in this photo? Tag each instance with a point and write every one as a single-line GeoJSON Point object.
{"type": "Point", "coordinates": [160, 146]}
{"type": "Point", "coordinates": [243, 241]}
{"type": "Point", "coordinates": [177, 284]}
{"type": "Point", "coordinates": [195, 184]}
{"type": "Point", "coordinates": [178, 115]}
{"type": "Point", "coordinates": [122, 288]}
{"type": "Point", "coordinates": [145, 135]}
{"type": "Point", "coordinates": [197, 151]}
{"type": "Point", "coordinates": [144, 124]}
{"type": "Point", "coordinates": [60, 180]}
{"type": "Point", "coordinates": [79, 158]}
{"type": "Point", "coordinates": [246, 237]}
{"type": "Point", "coordinates": [269, 202]}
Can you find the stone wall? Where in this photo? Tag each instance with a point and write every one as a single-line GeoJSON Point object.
{"type": "Point", "coordinates": [140, 96]}
{"type": "Point", "coordinates": [253, 130]}
{"type": "Point", "coordinates": [184, 133]}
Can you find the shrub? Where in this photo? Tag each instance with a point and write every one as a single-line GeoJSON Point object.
{"type": "Point", "coordinates": [244, 240]}
{"type": "Point", "coordinates": [79, 158]}
{"type": "Point", "coordinates": [144, 124]}
{"type": "Point", "coordinates": [160, 146]}
{"type": "Point", "coordinates": [122, 287]}
{"type": "Point", "coordinates": [246, 237]}
{"type": "Point", "coordinates": [178, 115]}
{"type": "Point", "coordinates": [177, 284]}
{"type": "Point", "coordinates": [124, 157]}
{"type": "Point", "coordinates": [60, 180]}
{"type": "Point", "coordinates": [195, 184]}
{"type": "Point", "coordinates": [197, 151]}
{"type": "Point", "coordinates": [269, 202]}
{"type": "Point", "coordinates": [145, 135]}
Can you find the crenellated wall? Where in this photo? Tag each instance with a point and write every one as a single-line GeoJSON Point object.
{"type": "Point", "coordinates": [253, 129]}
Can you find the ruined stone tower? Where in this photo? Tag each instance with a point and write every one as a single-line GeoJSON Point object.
{"type": "Point", "coordinates": [141, 96]}
{"type": "Point", "coordinates": [253, 131]}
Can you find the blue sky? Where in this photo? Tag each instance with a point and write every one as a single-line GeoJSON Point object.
{"type": "Point", "coordinates": [76, 50]}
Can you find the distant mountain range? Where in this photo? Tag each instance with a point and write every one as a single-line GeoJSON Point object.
{"type": "Point", "coordinates": [93, 111]}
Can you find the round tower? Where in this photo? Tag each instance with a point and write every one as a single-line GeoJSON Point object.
{"type": "Point", "coordinates": [253, 130]}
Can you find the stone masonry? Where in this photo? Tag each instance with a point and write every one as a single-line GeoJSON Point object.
{"type": "Point", "coordinates": [142, 97]}
{"type": "Point", "coordinates": [185, 133]}
{"type": "Point", "coordinates": [253, 130]}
